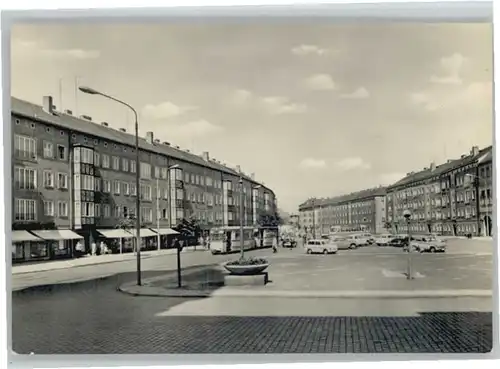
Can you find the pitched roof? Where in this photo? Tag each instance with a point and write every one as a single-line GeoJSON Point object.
{"type": "Point", "coordinates": [62, 120]}
{"type": "Point", "coordinates": [441, 169]}
{"type": "Point", "coordinates": [354, 196]}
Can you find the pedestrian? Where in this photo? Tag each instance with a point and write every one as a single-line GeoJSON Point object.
{"type": "Point", "coordinates": [80, 250]}
{"type": "Point", "coordinates": [103, 248]}
{"type": "Point", "coordinates": [93, 249]}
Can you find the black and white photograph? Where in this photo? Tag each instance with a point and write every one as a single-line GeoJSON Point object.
{"type": "Point", "coordinates": [251, 187]}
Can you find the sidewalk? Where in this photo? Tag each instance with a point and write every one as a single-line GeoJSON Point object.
{"type": "Point", "coordinates": [44, 266]}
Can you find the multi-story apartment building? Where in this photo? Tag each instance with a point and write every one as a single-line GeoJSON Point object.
{"type": "Point", "coordinates": [443, 199]}
{"type": "Point", "coordinates": [363, 210]}
{"type": "Point", "coordinates": [75, 180]}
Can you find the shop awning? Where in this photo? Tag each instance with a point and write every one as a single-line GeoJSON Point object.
{"type": "Point", "coordinates": [166, 231]}
{"type": "Point", "coordinates": [58, 235]}
{"type": "Point", "coordinates": [21, 236]}
{"type": "Point", "coordinates": [146, 232]}
{"type": "Point", "coordinates": [115, 233]}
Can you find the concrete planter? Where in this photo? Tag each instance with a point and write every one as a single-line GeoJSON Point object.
{"type": "Point", "coordinates": [246, 269]}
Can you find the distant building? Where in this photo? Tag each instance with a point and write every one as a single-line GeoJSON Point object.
{"type": "Point", "coordinates": [359, 211]}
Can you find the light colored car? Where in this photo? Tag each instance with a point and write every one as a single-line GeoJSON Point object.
{"type": "Point", "coordinates": [428, 243]}
{"type": "Point", "coordinates": [321, 247]}
{"type": "Point", "coordinates": [342, 242]}
{"type": "Point", "coordinates": [357, 240]}
{"type": "Point", "coordinates": [383, 239]}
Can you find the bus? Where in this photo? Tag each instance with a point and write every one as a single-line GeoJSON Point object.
{"type": "Point", "coordinates": [225, 240]}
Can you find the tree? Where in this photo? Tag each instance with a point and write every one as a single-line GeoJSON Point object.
{"type": "Point", "coordinates": [269, 220]}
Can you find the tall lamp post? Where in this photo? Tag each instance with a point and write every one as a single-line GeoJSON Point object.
{"type": "Point", "coordinates": [91, 91]}
{"type": "Point", "coordinates": [314, 218]}
{"type": "Point", "coordinates": [242, 255]}
{"type": "Point", "coordinates": [407, 215]}
{"type": "Point", "coordinates": [158, 202]}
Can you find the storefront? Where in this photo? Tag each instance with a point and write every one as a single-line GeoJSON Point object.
{"type": "Point", "coordinates": [28, 247]}
{"type": "Point", "coordinates": [166, 237]}
{"type": "Point", "coordinates": [61, 242]}
{"type": "Point", "coordinates": [118, 240]}
{"type": "Point", "coordinates": [149, 239]}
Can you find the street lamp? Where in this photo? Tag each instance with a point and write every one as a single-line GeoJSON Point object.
{"type": "Point", "coordinates": [158, 202]}
{"type": "Point", "coordinates": [407, 215]}
{"type": "Point", "coordinates": [314, 218]}
{"type": "Point", "coordinates": [91, 91]}
{"type": "Point", "coordinates": [241, 219]}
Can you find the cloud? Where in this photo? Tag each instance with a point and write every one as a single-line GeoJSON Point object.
{"type": "Point", "coordinates": [312, 163]}
{"type": "Point", "coordinates": [359, 93]}
{"type": "Point", "coordinates": [165, 110]}
{"type": "Point", "coordinates": [320, 82]}
{"type": "Point", "coordinates": [423, 100]}
{"type": "Point", "coordinates": [387, 179]}
{"type": "Point", "coordinates": [451, 67]}
{"type": "Point", "coordinates": [240, 97]}
{"type": "Point", "coordinates": [277, 105]}
{"type": "Point", "coordinates": [304, 50]}
{"type": "Point", "coordinates": [352, 163]}
{"type": "Point", "coordinates": [192, 129]}
{"type": "Point", "coordinates": [20, 46]}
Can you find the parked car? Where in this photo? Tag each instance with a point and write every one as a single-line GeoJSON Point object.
{"type": "Point", "coordinates": [398, 241]}
{"type": "Point", "coordinates": [289, 243]}
{"type": "Point", "coordinates": [370, 239]}
{"type": "Point", "coordinates": [358, 240]}
{"type": "Point", "coordinates": [428, 243]}
{"type": "Point", "coordinates": [343, 243]}
{"type": "Point", "coordinates": [321, 247]}
{"type": "Point", "coordinates": [383, 239]}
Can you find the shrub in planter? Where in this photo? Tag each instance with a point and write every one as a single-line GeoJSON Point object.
{"type": "Point", "coordinates": [247, 261]}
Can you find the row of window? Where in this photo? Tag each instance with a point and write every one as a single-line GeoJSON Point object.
{"type": "Point", "coordinates": [26, 179]}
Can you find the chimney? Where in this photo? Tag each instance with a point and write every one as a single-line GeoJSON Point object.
{"type": "Point", "coordinates": [122, 130]}
{"type": "Point", "coordinates": [48, 105]}
{"type": "Point", "coordinates": [166, 143]}
{"type": "Point", "coordinates": [104, 124]}
{"type": "Point", "coordinates": [463, 156]}
{"type": "Point", "coordinates": [252, 175]}
{"type": "Point", "coordinates": [205, 155]}
{"type": "Point", "coordinates": [150, 137]}
{"type": "Point", "coordinates": [86, 117]}
{"type": "Point", "coordinates": [54, 108]}
{"type": "Point", "coordinates": [238, 169]}
{"type": "Point", "coordinates": [475, 150]}
{"type": "Point", "coordinates": [449, 161]}
{"type": "Point", "coordinates": [68, 112]}
{"type": "Point", "coordinates": [187, 150]}
{"type": "Point", "coordinates": [157, 141]}
{"type": "Point", "coordinates": [433, 166]}
{"type": "Point", "coordinates": [177, 147]}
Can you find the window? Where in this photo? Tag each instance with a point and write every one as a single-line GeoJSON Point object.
{"type": "Point", "coordinates": [126, 188]}
{"type": "Point", "coordinates": [145, 169]}
{"type": "Point", "coordinates": [192, 179]}
{"type": "Point", "coordinates": [62, 180]}
{"type": "Point", "coordinates": [164, 173]}
{"type": "Point", "coordinates": [116, 163]}
{"type": "Point", "coordinates": [146, 192]}
{"type": "Point", "coordinates": [133, 166]}
{"type": "Point", "coordinates": [105, 161]}
{"type": "Point", "coordinates": [116, 187]}
{"type": "Point", "coordinates": [106, 186]}
{"type": "Point", "coordinates": [87, 155]}
{"type": "Point", "coordinates": [63, 208]}
{"type": "Point", "coordinates": [97, 159]}
{"type": "Point", "coordinates": [25, 178]}
{"type": "Point", "coordinates": [133, 189]}
{"type": "Point", "coordinates": [146, 215]}
{"type": "Point", "coordinates": [209, 181]}
{"type": "Point", "coordinates": [48, 179]}
{"type": "Point", "coordinates": [125, 212]}
{"type": "Point", "coordinates": [106, 210]}
{"type": "Point", "coordinates": [24, 147]}
{"type": "Point", "coordinates": [118, 211]}
{"type": "Point", "coordinates": [97, 210]}
{"type": "Point", "coordinates": [48, 208]}
{"type": "Point", "coordinates": [25, 209]}
{"type": "Point", "coordinates": [186, 177]}
{"type": "Point", "coordinates": [97, 184]}
{"type": "Point", "coordinates": [157, 172]}
{"type": "Point", "coordinates": [61, 152]}
{"type": "Point", "coordinates": [88, 209]}
{"type": "Point", "coordinates": [164, 213]}
{"type": "Point", "coordinates": [125, 164]}
{"type": "Point", "coordinates": [48, 150]}
{"type": "Point", "coordinates": [88, 183]}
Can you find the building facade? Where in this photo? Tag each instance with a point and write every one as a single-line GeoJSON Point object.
{"type": "Point", "coordinates": [443, 199]}
{"type": "Point", "coordinates": [360, 211]}
{"type": "Point", "coordinates": [77, 177]}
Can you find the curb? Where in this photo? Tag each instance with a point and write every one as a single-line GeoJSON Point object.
{"type": "Point", "coordinates": [147, 256]}
{"type": "Point", "coordinates": [233, 292]}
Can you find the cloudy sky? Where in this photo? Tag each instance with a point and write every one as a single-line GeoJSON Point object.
{"type": "Point", "coordinates": [312, 109]}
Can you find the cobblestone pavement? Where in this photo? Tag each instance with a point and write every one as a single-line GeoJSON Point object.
{"type": "Point", "coordinates": [93, 317]}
